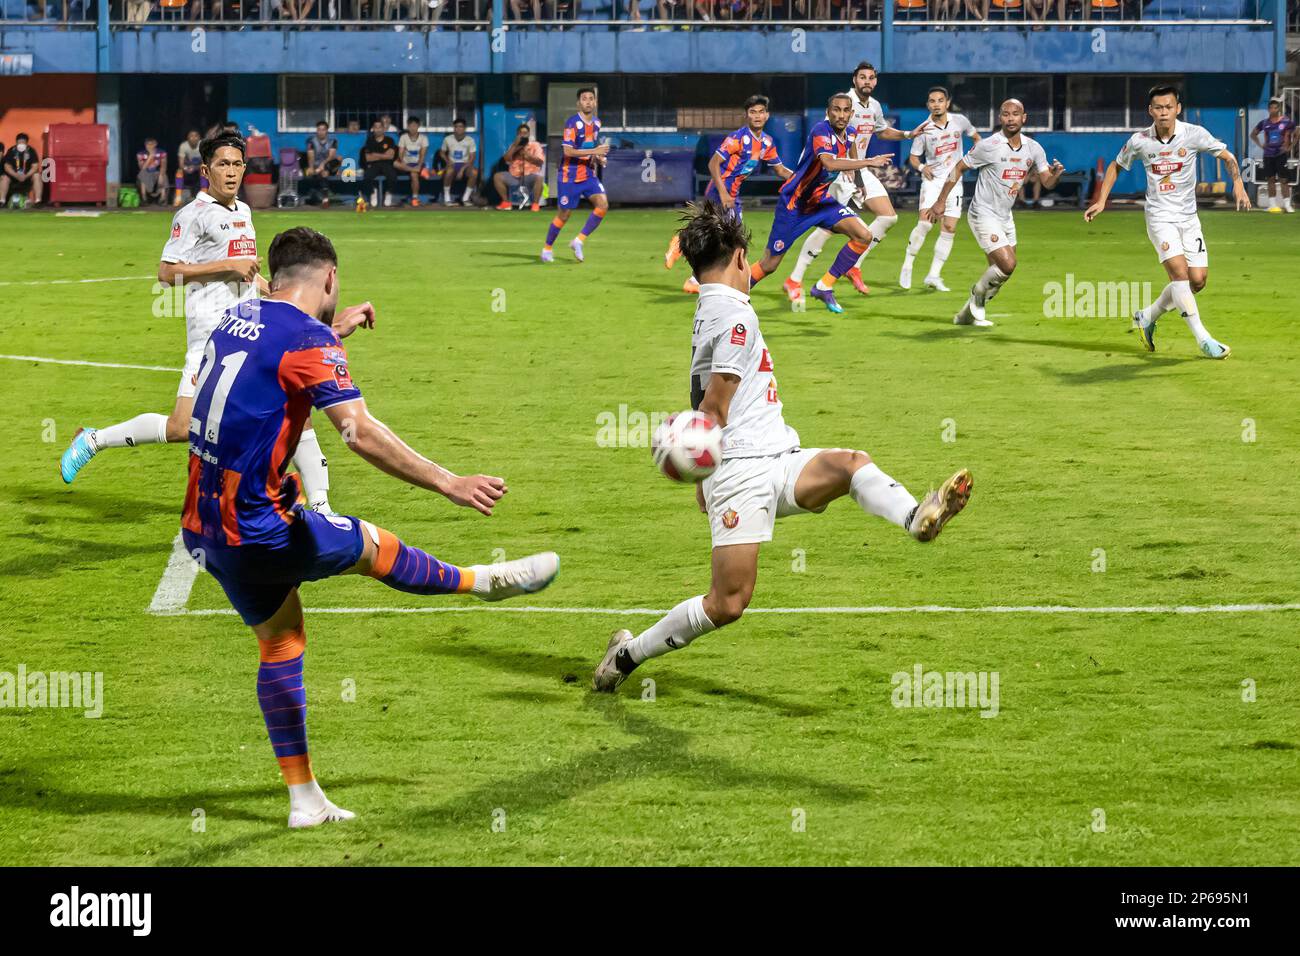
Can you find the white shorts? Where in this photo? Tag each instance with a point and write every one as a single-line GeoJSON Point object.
{"type": "Point", "coordinates": [1180, 239]}
{"type": "Point", "coordinates": [992, 232]}
{"type": "Point", "coordinates": [845, 188]}
{"type": "Point", "coordinates": [197, 331]}
{"type": "Point", "coordinates": [745, 496]}
{"type": "Point", "coordinates": [930, 189]}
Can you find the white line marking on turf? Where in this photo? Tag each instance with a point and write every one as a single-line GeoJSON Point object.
{"type": "Point", "coordinates": [173, 591]}
{"type": "Point", "coordinates": [77, 281]}
{"type": "Point", "coordinates": [54, 361]}
{"type": "Point", "coordinates": [876, 609]}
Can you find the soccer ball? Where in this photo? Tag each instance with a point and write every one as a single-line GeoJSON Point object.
{"type": "Point", "coordinates": [687, 446]}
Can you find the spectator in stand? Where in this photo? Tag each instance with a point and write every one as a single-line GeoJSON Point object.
{"type": "Point", "coordinates": [137, 11]}
{"type": "Point", "coordinates": [188, 161]}
{"type": "Point", "coordinates": [20, 171]}
{"type": "Point", "coordinates": [412, 149]}
{"type": "Point", "coordinates": [524, 161]}
{"type": "Point", "coordinates": [1279, 136]}
{"type": "Point", "coordinates": [378, 153]}
{"type": "Point", "coordinates": [458, 154]}
{"type": "Point", "coordinates": [296, 9]}
{"type": "Point", "coordinates": [152, 175]}
{"type": "Point", "coordinates": [322, 163]}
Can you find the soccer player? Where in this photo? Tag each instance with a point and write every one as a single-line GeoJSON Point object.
{"type": "Point", "coordinates": [212, 252]}
{"type": "Point", "coordinates": [412, 148]}
{"type": "Point", "coordinates": [268, 363]}
{"type": "Point", "coordinates": [806, 201]}
{"type": "Point", "coordinates": [857, 188]}
{"type": "Point", "coordinates": [1168, 149]}
{"type": "Point", "coordinates": [765, 474]}
{"type": "Point", "coordinates": [1003, 159]}
{"type": "Point", "coordinates": [1279, 136]}
{"type": "Point", "coordinates": [583, 152]}
{"type": "Point", "coordinates": [940, 145]}
{"type": "Point", "coordinates": [730, 165]}
{"type": "Point", "coordinates": [459, 159]}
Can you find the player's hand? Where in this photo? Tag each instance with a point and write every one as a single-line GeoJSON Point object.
{"type": "Point", "coordinates": [879, 162]}
{"type": "Point", "coordinates": [1056, 168]}
{"type": "Point", "coordinates": [699, 497]}
{"type": "Point", "coordinates": [926, 173]}
{"type": "Point", "coordinates": [352, 318]}
{"type": "Point", "coordinates": [1093, 211]}
{"type": "Point", "coordinates": [934, 213]}
{"type": "Point", "coordinates": [1239, 193]}
{"type": "Point", "coordinates": [601, 151]}
{"type": "Point", "coordinates": [925, 124]}
{"type": "Point", "coordinates": [728, 200]}
{"type": "Point", "coordinates": [480, 492]}
{"type": "Point", "coordinates": [245, 270]}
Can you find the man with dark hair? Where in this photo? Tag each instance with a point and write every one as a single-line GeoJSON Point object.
{"type": "Point", "coordinates": [378, 154]}
{"type": "Point", "coordinates": [459, 157]}
{"type": "Point", "coordinates": [524, 161]}
{"type": "Point", "coordinates": [268, 363]}
{"type": "Point", "coordinates": [412, 148]}
{"type": "Point", "coordinates": [189, 159]}
{"type": "Point", "coordinates": [765, 474]}
{"type": "Point", "coordinates": [322, 163]}
{"type": "Point", "coordinates": [212, 254]}
{"type": "Point", "coordinates": [584, 153]}
{"type": "Point", "coordinates": [1168, 149]}
{"type": "Point", "coordinates": [20, 171]}
{"type": "Point", "coordinates": [731, 164]}
{"type": "Point", "coordinates": [151, 176]}
{"type": "Point", "coordinates": [1279, 134]}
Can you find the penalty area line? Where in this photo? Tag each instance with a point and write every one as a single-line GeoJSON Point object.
{"type": "Point", "coordinates": [76, 281]}
{"type": "Point", "coordinates": [55, 361]}
{"type": "Point", "coordinates": [171, 608]}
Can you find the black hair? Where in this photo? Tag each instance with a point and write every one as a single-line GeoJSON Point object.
{"type": "Point", "coordinates": [758, 99]}
{"type": "Point", "coordinates": [864, 65]}
{"type": "Point", "coordinates": [1164, 89]}
{"type": "Point", "coordinates": [837, 96]}
{"type": "Point", "coordinates": [938, 89]}
{"type": "Point", "coordinates": [585, 89]}
{"type": "Point", "coordinates": [321, 122]}
{"type": "Point", "coordinates": [710, 236]}
{"type": "Point", "coordinates": [413, 119]}
{"type": "Point", "coordinates": [459, 122]}
{"type": "Point", "coordinates": [298, 247]}
{"type": "Point", "coordinates": [208, 148]}
{"type": "Point", "coordinates": [22, 136]}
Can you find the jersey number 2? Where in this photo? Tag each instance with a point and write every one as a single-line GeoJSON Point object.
{"type": "Point", "coordinates": [230, 366]}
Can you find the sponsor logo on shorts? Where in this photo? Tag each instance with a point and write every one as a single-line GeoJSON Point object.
{"type": "Point", "coordinates": [1164, 247]}
{"type": "Point", "coordinates": [730, 519]}
{"type": "Point", "coordinates": [778, 246]}
{"type": "Point", "coordinates": [993, 237]}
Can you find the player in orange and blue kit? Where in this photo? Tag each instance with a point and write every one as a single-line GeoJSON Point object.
{"type": "Point", "coordinates": [583, 153]}
{"type": "Point", "coordinates": [730, 165]}
{"type": "Point", "coordinates": [266, 365]}
{"type": "Point", "coordinates": [805, 200]}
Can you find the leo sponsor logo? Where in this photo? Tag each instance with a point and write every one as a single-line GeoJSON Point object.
{"type": "Point", "coordinates": [765, 363]}
{"type": "Point", "coordinates": [730, 519]}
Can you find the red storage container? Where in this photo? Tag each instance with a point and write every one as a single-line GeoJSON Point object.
{"type": "Point", "coordinates": [79, 169]}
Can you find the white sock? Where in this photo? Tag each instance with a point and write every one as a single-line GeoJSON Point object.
{"type": "Point", "coordinates": [1185, 301]}
{"type": "Point", "coordinates": [879, 226]}
{"type": "Point", "coordinates": [147, 429]}
{"type": "Point", "coordinates": [812, 247]}
{"type": "Point", "coordinates": [306, 797]}
{"type": "Point", "coordinates": [672, 632]}
{"type": "Point", "coordinates": [987, 285]}
{"type": "Point", "coordinates": [313, 470]}
{"type": "Point", "coordinates": [878, 494]}
{"type": "Point", "coordinates": [942, 246]}
{"type": "Point", "coordinates": [446, 195]}
{"type": "Point", "coordinates": [1163, 303]}
{"type": "Point", "coordinates": [917, 238]}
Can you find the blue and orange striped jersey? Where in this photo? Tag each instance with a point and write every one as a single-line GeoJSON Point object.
{"type": "Point", "coordinates": [741, 152]}
{"type": "Point", "coordinates": [580, 134]}
{"type": "Point", "coordinates": [266, 365]}
{"type": "Point", "coordinates": [806, 189]}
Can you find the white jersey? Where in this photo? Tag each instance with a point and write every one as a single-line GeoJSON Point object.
{"type": "Point", "coordinates": [940, 146]}
{"type": "Point", "coordinates": [206, 231]}
{"type": "Point", "coordinates": [727, 339]}
{"type": "Point", "coordinates": [1171, 168]}
{"type": "Point", "coordinates": [868, 119]}
{"type": "Point", "coordinates": [459, 151]}
{"type": "Point", "coordinates": [1002, 171]}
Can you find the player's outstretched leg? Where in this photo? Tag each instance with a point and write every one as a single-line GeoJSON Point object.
{"type": "Point", "coordinates": [881, 225]}
{"type": "Point", "coordinates": [147, 429]}
{"type": "Point", "coordinates": [810, 250]}
{"type": "Point", "coordinates": [282, 695]}
{"type": "Point", "coordinates": [824, 289]}
{"type": "Point", "coordinates": [914, 243]}
{"type": "Point", "coordinates": [393, 562]}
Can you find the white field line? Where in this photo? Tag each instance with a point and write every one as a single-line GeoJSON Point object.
{"type": "Point", "coordinates": [79, 281]}
{"type": "Point", "coordinates": [54, 361]}
{"type": "Point", "coordinates": [173, 591]}
{"type": "Point", "coordinates": [870, 609]}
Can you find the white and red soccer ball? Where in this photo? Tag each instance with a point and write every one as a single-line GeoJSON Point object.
{"type": "Point", "coordinates": [687, 446]}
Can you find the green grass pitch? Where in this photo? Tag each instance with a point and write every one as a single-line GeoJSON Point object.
{"type": "Point", "coordinates": [1085, 450]}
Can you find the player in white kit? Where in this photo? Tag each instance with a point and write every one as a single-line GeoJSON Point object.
{"type": "Point", "coordinates": [1004, 160]}
{"type": "Point", "coordinates": [934, 153]}
{"type": "Point", "coordinates": [212, 252]}
{"type": "Point", "coordinates": [1168, 150]}
{"type": "Point", "coordinates": [764, 474]}
{"type": "Point", "coordinates": [857, 189]}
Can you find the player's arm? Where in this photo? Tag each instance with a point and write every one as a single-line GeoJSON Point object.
{"type": "Point", "coordinates": [352, 318]}
{"type": "Point", "coordinates": [837, 164]}
{"type": "Point", "coordinates": [600, 151]}
{"type": "Point", "coordinates": [935, 212]}
{"type": "Point", "coordinates": [715, 173]}
{"type": "Point", "coordinates": [1049, 179]}
{"type": "Point", "coordinates": [221, 270]}
{"type": "Point", "coordinates": [379, 445]}
{"type": "Point", "coordinates": [1234, 170]}
{"type": "Point", "coordinates": [1254, 135]}
{"type": "Point", "coordinates": [783, 171]}
{"type": "Point", "coordinates": [716, 403]}
{"type": "Point", "coordinates": [1107, 184]}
